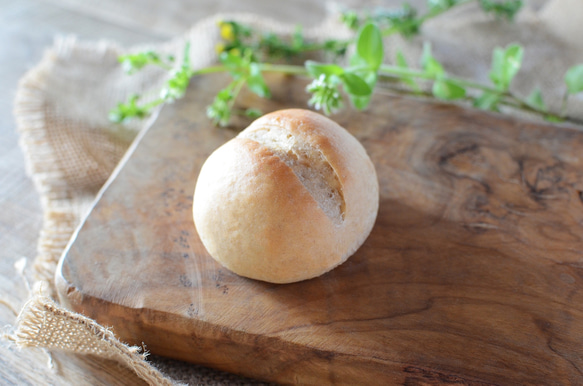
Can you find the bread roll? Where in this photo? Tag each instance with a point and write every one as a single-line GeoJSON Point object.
{"type": "Point", "coordinates": [290, 198]}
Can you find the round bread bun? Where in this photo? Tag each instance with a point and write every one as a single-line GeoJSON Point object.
{"type": "Point", "coordinates": [288, 199]}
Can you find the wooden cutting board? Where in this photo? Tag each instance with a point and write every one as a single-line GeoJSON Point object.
{"type": "Point", "coordinates": [473, 273]}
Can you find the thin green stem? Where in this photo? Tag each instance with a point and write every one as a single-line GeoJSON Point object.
{"type": "Point", "coordinates": [564, 104]}
{"type": "Point", "coordinates": [289, 69]}
{"type": "Point", "coordinates": [433, 14]}
{"type": "Point", "coordinates": [238, 85]}
{"type": "Point", "coordinates": [311, 47]}
{"type": "Point", "coordinates": [510, 101]}
{"type": "Point", "coordinates": [210, 70]}
{"type": "Point", "coordinates": [389, 31]}
{"type": "Point", "coordinates": [399, 72]}
{"type": "Point", "coordinates": [402, 72]}
{"type": "Point", "coordinates": [429, 15]}
{"type": "Point", "coordinates": [507, 98]}
{"type": "Point", "coordinates": [153, 104]}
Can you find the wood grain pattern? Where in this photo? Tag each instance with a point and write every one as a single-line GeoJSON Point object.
{"type": "Point", "coordinates": [472, 274]}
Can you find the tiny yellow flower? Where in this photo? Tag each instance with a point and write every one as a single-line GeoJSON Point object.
{"type": "Point", "coordinates": [227, 32]}
{"type": "Point", "coordinates": [219, 48]}
{"type": "Point", "coordinates": [235, 51]}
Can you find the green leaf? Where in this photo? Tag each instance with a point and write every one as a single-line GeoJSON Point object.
{"type": "Point", "coordinates": [369, 45]}
{"type": "Point", "coordinates": [125, 111]}
{"type": "Point", "coordinates": [440, 5]}
{"type": "Point", "coordinates": [316, 69]}
{"type": "Point", "coordinates": [370, 77]}
{"type": "Point", "coordinates": [336, 47]}
{"type": "Point", "coordinates": [360, 102]}
{"type": "Point", "coordinates": [429, 64]}
{"type": "Point", "coordinates": [357, 61]}
{"type": "Point", "coordinates": [231, 60]}
{"type": "Point", "coordinates": [554, 119]}
{"type": "Point", "coordinates": [574, 79]}
{"type": "Point", "coordinates": [447, 90]}
{"type": "Point", "coordinates": [350, 19]}
{"type": "Point", "coordinates": [400, 60]}
{"type": "Point", "coordinates": [505, 65]}
{"type": "Point", "coordinates": [235, 64]}
{"type": "Point", "coordinates": [513, 61]}
{"type": "Point", "coordinates": [186, 59]}
{"type": "Point", "coordinates": [497, 70]}
{"type": "Point", "coordinates": [176, 85]}
{"type": "Point", "coordinates": [298, 38]}
{"type": "Point", "coordinates": [355, 85]}
{"type": "Point", "coordinates": [178, 82]}
{"type": "Point", "coordinates": [220, 111]}
{"type": "Point", "coordinates": [134, 62]}
{"type": "Point", "coordinates": [503, 9]}
{"type": "Point", "coordinates": [256, 83]}
{"type": "Point", "coordinates": [535, 100]}
{"type": "Point", "coordinates": [487, 101]}
{"type": "Point", "coordinates": [253, 113]}
{"type": "Point", "coordinates": [408, 80]}
{"type": "Point", "coordinates": [403, 20]}
{"type": "Point", "coordinates": [224, 94]}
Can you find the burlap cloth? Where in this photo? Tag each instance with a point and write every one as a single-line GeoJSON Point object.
{"type": "Point", "coordinates": [71, 148]}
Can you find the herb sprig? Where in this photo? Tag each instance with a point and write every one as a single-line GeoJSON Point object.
{"type": "Point", "coordinates": [407, 20]}
{"type": "Point", "coordinates": [247, 54]}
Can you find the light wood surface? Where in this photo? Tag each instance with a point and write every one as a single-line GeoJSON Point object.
{"type": "Point", "coordinates": [471, 275]}
{"type": "Point", "coordinates": [28, 28]}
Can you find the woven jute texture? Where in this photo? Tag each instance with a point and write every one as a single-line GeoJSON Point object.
{"type": "Point", "coordinates": [71, 148]}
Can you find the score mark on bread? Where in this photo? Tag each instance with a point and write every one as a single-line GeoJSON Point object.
{"type": "Point", "coordinates": [308, 164]}
{"type": "Point", "coordinates": [290, 198]}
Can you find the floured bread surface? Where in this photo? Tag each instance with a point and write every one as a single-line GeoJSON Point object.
{"type": "Point", "coordinates": [290, 198]}
{"type": "Point", "coordinates": [309, 165]}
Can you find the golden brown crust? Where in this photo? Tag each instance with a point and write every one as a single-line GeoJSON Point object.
{"type": "Point", "coordinates": [255, 216]}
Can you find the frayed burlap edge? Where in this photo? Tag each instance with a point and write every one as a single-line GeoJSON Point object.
{"type": "Point", "coordinates": [84, 336]}
{"type": "Point", "coordinates": [58, 222]}
{"type": "Point", "coordinates": [41, 317]}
